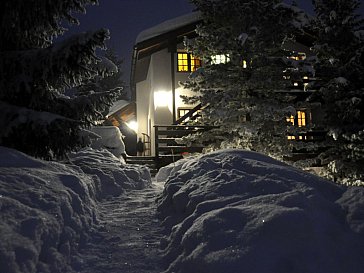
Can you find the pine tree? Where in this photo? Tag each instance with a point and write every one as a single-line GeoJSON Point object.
{"type": "Point", "coordinates": [106, 81]}
{"type": "Point", "coordinates": [36, 115]}
{"type": "Point", "coordinates": [245, 96]}
{"type": "Point", "coordinates": [340, 73]}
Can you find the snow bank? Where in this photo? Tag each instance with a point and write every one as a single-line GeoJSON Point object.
{"type": "Point", "coordinates": [46, 212]}
{"type": "Point", "coordinates": [47, 209]}
{"type": "Point", "coordinates": [110, 173]}
{"type": "Point", "coordinates": [110, 138]}
{"type": "Point", "coordinates": [238, 211]}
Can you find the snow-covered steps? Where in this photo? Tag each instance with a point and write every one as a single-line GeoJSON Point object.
{"type": "Point", "coordinates": [148, 161]}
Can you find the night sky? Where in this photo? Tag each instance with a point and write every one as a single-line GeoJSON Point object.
{"type": "Point", "coordinates": [127, 18]}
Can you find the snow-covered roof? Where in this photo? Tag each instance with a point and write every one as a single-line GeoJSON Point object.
{"type": "Point", "coordinates": [168, 26]}
{"type": "Point", "coordinates": [117, 105]}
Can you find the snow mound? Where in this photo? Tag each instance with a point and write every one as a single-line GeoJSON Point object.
{"type": "Point", "coordinates": [110, 138]}
{"type": "Point", "coordinates": [46, 212]}
{"type": "Point", "coordinates": [110, 173]}
{"type": "Point", "coordinates": [237, 211]}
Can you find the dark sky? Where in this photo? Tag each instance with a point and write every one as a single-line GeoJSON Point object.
{"type": "Point", "coordinates": [127, 18]}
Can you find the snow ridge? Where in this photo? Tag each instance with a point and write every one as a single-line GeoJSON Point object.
{"type": "Point", "coordinates": [237, 211]}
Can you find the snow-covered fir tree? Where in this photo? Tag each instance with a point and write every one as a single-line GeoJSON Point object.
{"type": "Point", "coordinates": [340, 73]}
{"type": "Point", "coordinates": [36, 116]}
{"type": "Point", "coordinates": [106, 81]}
{"type": "Point", "coordinates": [245, 94]}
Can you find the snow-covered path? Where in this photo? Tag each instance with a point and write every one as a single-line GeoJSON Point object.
{"type": "Point", "coordinates": [129, 238]}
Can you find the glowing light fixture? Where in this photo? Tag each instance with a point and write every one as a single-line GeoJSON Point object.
{"type": "Point", "coordinates": [133, 125]}
{"type": "Point", "coordinates": [163, 99]}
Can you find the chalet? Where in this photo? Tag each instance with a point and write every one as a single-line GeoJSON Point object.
{"type": "Point", "coordinates": [159, 63]}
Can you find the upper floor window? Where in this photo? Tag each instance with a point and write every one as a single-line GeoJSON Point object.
{"type": "Point", "coordinates": [220, 59]}
{"type": "Point", "coordinates": [186, 62]}
{"type": "Point", "coordinates": [299, 120]}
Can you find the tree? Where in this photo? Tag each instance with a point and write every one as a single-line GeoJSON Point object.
{"type": "Point", "coordinates": [246, 95]}
{"type": "Point", "coordinates": [36, 115]}
{"type": "Point", "coordinates": [106, 81]}
{"type": "Point", "coordinates": [340, 72]}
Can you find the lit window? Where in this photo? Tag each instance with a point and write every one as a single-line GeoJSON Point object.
{"type": "Point", "coordinates": [182, 111]}
{"type": "Point", "coordinates": [298, 56]}
{"type": "Point", "coordinates": [301, 118]}
{"type": "Point", "coordinates": [291, 119]}
{"type": "Point", "coordinates": [220, 59]}
{"type": "Point", "coordinates": [195, 63]}
{"type": "Point", "coordinates": [182, 62]}
{"type": "Point", "coordinates": [300, 121]}
{"type": "Point", "coordinates": [305, 86]}
{"type": "Point", "coordinates": [244, 64]}
{"type": "Point", "coordinates": [187, 63]}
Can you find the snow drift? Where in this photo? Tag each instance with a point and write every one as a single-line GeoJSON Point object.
{"type": "Point", "coordinates": [237, 211]}
{"type": "Point", "coordinates": [48, 209]}
{"type": "Point", "coordinates": [112, 176]}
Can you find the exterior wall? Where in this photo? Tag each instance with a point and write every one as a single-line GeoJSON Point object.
{"type": "Point", "coordinates": [154, 94]}
{"type": "Point", "coordinates": [143, 98]}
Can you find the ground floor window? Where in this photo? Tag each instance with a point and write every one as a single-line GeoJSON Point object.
{"type": "Point", "coordinates": [181, 111]}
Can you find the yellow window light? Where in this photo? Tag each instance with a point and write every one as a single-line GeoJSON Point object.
{"type": "Point", "coordinates": [301, 118]}
{"type": "Point", "coordinates": [182, 62]}
{"type": "Point", "coordinates": [195, 63]}
{"type": "Point", "coordinates": [291, 119]}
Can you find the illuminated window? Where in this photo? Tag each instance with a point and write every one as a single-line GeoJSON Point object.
{"type": "Point", "coordinates": [187, 63]}
{"type": "Point", "coordinates": [301, 118]}
{"type": "Point", "coordinates": [300, 121]}
{"type": "Point", "coordinates": [195, 63]}
{"type": "Point", "coordinates": [220, 59]}
{"type": "Point", "coordinates": [182, 62]}
{"type": "Point", "coordinates": [182, 111]}
{"type": "Point", "coordinates": [298, 56]}
{"type": "Point", "coordinates": [244, 64]}
{"type": "Point", "coordinates": [291, 119]}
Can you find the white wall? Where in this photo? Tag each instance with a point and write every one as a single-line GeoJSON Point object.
{"type": "Point", "coordinates": [159, 79]}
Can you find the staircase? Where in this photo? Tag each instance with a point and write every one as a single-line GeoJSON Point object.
{"type": "Point", "coordinates": [168, 147]}
{"type": "Point", "coordinates": [148, 161]}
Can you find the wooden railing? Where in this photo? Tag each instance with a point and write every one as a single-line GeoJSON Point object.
{"type": "Point", "coordinates": [189, 115]}
{"type": "Point", "coordinates": [167, 138]}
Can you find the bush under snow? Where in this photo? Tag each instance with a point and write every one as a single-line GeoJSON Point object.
{"type": "Point", "coordinates": [237, 211]}
{"type": "Point", "coordinates": [47, 209]}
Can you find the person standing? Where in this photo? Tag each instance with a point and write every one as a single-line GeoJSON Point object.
{"type": "Point", "coordinates": [140, 147]}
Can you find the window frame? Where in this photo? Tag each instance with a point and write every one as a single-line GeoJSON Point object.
{"type": "Point", "coordinates": [193, 63]}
